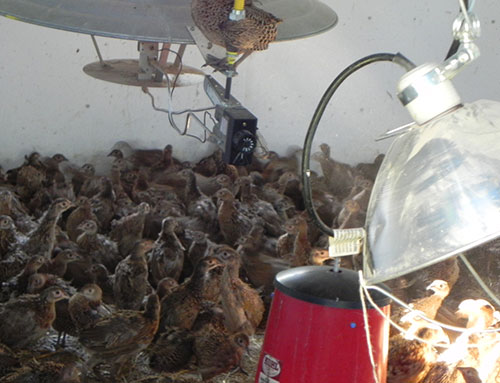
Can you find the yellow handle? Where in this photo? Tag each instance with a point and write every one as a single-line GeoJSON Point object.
{"type": "Point", "coordinates": [239, 5]}
{"type": "Point", "coordinates": [231, 57]}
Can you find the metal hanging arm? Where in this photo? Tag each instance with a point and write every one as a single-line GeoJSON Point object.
{"type": "Point", "coordinates": [466, 28]}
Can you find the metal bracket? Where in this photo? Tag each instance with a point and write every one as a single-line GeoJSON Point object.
{"type": "Point", "coordinates": [209, 51]}
{"type": "Point", "coordinates": [148, 52]}
{"type": "Point", "coordinates": [216, 93]}
{"type": "Point", "coordinates": [346, 242]}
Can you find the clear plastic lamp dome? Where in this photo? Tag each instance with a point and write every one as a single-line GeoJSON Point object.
{"type": "Point", "coordinates": [437, 193]}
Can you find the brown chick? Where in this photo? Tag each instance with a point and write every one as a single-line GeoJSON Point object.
{"type": "Point", "coordinates": [41, 240]}
{"type": "Point", "coordinates": [339, 176]}
{"type": "Point", "coordinates": [147, 191]}
{"type": "Point", "coordinates": [217, 352]}
{"type": "Point", "coordinates": [470, 374]}
{"type": "Point", "coordinates": [210, 185]}
{"type": "Point", "coordinates": [59, 264]}
{"type": "Point", "coordinates": [259, 267]}
{"type": "Point", "coordinates": [198, 246]}
{"type": "Point", "coordinates": [131, 278]}
{"type": "Point", "coordinates": [284, 245]}
{"type": "Point", "coordinates": [233, 224]}
{"type": "Point", "coordinates": [96, 246]}
{"type": "Point", "coordinates": [203, 219]}
{"type": "Point", "coordinates": [480, 316]}
{"type": "Point", "coordinates": [243, 307]}
{"type": "Point", "coordinates": [207, 166]}
{"type": "Point", "coordinates": [363, 193]}
{"type": "Point", "coordinates": [161, 209]}
{"type": "Point", "coordinates": [428, 305]}
{"type": "Point", "coordinates": [19, 284]}
{"type": "Point", "coordinates": [128, 230]}
{"type": "Point", "coordinates": [447, 270]}
{"type": "Point", "coordinates": [166, 258]}
{"type": "Point", "coordinates": [409, 361]}
{"type": "Point", "coordinates": [192, 196]}
{"type": "Point", "coordinates": [92, 184]}
{"type": "Point", "coordinates": [167, 163]}
{"type": "Point", "coordinates": [180, 308]}
{"type": "Point", "coordinates": [370, 170]}
{"type": "Point", "coordinates": [351, 215]}
{"type": "Point", "coordinates": [119, 337]}
{"type": "Point", "coordinates": [26, 319]}
{"type": "Point", "coordinates": [8, 238]}
{"type": "Point", "coordinates": [98, 274]}
{"type": "Point", "coordinates": [103, 204]}
{"type": "Point", "coordinates": [283, 205]}
{"type": "Point", "coordinates": [37, 205]}
{"type": "Point", "coordinates": [289, 185]}
{"type": "Point", "coordinates": [53, 167]}
{"type": "Point", "coordinates": [171, 351]}
{"type": "Point", "coordinates": [128, 180]}
{"type": "Point", "coordinates": [137, 158]}
{"type": "Point", "coordinates": [479, 313]}
{"type": "Point", "coordinates": [441, 372]}
{"type": "Point", "coordinates": [80, 176]}
{"type": "Point", "coordinates": [33, 159]}
{"type": "Point", "coordinates": [84, 306]}
{"type": "Point", "coordinates": [29, 180]}
{"type": "Point", "coordinates": [272, 222]}
{"type": "Point", "coordinates": [82, 213]}
{"type": "Point", "coordinates": [165, 287]}
{"type": "Point", "coordinates": [210, 318]}
{"type": "Point", "coordinates": [44, 372]}
{"type": "Point", "coordinates": [60, 187]}
{"type": "Point", "coordinates": [40, 281]}
{"type": "Point", "coordinates": [277, 165]}
{"type": "Point", "coordinates": [301, 246]}
{"type": "Point", "coordinates": [63, 323]}
{"type": "Point", "coordinates": [11, 206]}
{"type": "Point", "coordinates": [117, 168]}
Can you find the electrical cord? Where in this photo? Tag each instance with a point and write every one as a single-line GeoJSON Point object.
{"type": "Point", "coordinates": [318, 113]}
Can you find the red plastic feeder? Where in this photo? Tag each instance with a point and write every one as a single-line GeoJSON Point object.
{"type": "Point", "coordinates": [315, 330]}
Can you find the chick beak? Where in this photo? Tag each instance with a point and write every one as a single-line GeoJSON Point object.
{"type": "Point", "coordinates": [217, 265]}
{"type": "Point", "coordinates": [65, 295]}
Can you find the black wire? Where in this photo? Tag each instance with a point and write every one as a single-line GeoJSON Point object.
{"type": "Point", "coordinates": [318, 113]}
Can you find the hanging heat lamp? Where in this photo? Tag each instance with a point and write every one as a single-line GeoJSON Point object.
{"type": "Point", "coordinates": [437, 194]}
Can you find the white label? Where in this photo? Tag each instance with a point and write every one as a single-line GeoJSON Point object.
{"type": "Point", "coordinates": [271, 366]}
{"type": "Point", "coordinates": [263, 378]}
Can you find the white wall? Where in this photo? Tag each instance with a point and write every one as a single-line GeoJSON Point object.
{"type": "Point", "coordinates": [48, 104]}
